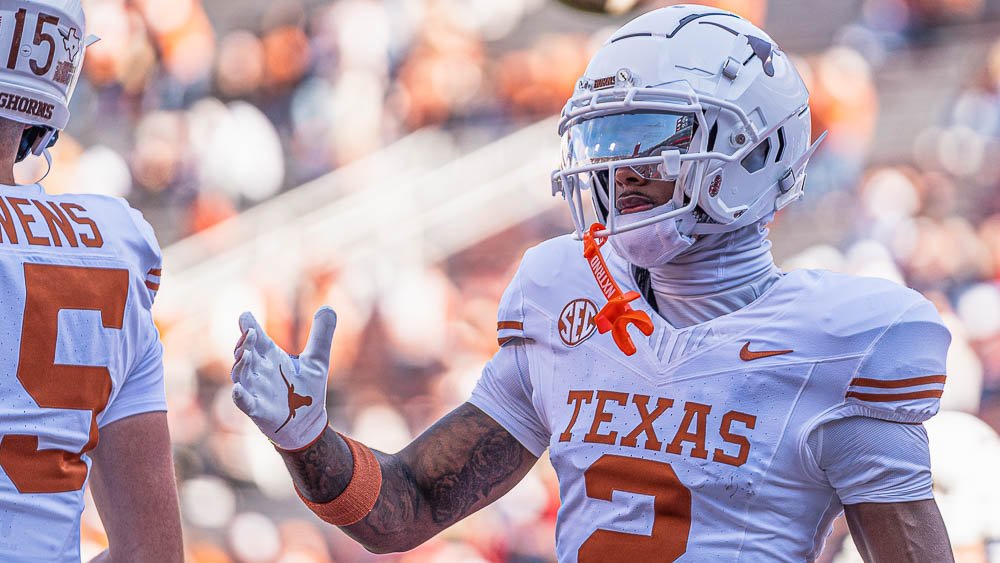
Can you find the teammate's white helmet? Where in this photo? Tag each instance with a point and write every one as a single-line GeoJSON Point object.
{"type": "Point", "coordinates": [696, 95]}
{"type": "Point", "coordinates": [42, 45]}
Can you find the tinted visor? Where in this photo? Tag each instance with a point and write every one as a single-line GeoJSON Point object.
{"type": "Point", "coordinates": [629, 135]}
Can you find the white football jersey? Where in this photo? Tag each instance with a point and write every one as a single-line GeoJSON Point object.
{"type": "Point", "coordinates": [695, 447]}
{"type": "Point", "coordinates": [78, 350]}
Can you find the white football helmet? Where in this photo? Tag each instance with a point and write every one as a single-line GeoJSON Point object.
{"type": "Point", "coordinates": [695, 95]}
{"type": "Point", "coordinates": [42, 45]}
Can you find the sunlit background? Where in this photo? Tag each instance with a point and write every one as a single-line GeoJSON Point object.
{"type": "Point", "coordinates": [390, 158]}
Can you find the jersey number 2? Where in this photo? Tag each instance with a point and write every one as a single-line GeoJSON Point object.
{"type": "Point", "coordinates": [48, 290]}
{"type": "Point", "coordinates": [671, 510]}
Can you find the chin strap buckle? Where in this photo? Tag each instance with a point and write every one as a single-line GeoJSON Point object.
{"type": "Point", "coordinates": [617, 314]}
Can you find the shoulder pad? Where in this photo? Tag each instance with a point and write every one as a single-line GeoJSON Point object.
{"type": "Point", "coordinates": [902, 374]}
{"type": "Point", "coordinates": [861, 308]}
{"type": "Point", "coordinates": [544, 266]}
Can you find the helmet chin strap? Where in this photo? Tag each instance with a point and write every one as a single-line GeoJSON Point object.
{"type": "Point", "coordinates": [48, 165]}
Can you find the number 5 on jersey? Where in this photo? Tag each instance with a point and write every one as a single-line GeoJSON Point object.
{"type": "Point", "coordinates": [48, 290]}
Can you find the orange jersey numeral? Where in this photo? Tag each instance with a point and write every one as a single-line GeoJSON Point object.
{"type": "Point", "coordinates": [48, 290]}
{"type": "Point", "coordinates": [671, 510]}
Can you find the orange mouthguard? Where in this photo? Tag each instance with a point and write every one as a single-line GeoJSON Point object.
{"type": "Point", "coordinates": [617, 314]}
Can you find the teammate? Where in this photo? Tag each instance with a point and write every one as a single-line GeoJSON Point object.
{"type": "Point", "coordinates": [697, 403]}
{"type": "Point", "coordinates": [81, 398]}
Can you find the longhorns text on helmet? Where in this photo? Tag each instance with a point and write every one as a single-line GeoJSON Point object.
{"type": "Point", "coordinates": [742, 92]}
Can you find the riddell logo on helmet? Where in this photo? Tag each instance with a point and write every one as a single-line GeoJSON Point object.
{"type": "Point", "coordinates": [576, 322]}
{"type": "Point", "coordinates": [27, 106]}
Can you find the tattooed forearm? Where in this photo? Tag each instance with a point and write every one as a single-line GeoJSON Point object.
{"type": "Point", "coordinates": [399, 502]}
{"type": "Point", "coordinates": [453, 489]}
{"type": "Point", "coordinates": [459, 465]}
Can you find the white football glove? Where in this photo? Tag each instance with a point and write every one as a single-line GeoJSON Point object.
{"type": "Point", "coordinates": [284, 395]}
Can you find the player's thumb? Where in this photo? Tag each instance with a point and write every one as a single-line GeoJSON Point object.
{"type": "Point", "coordinates": [320, 336]}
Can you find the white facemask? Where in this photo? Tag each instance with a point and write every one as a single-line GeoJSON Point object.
{"type": "Point", "coordinates": [653, 245]}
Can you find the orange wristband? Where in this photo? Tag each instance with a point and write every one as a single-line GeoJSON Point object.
{"type": "Point", "coordinates": [358, 499]}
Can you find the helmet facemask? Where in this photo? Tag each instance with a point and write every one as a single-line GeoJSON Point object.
{"type": "Point", "coordinates": [661, 133]}
{"type": "Point", "coordinates": [598, 141]}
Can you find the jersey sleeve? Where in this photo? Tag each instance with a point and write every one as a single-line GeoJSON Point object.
{"type": "Point", "coordinates": [142, 390]}
{"type": "Point", "coordinates": [146, 247]}
{"type": "Point", "coordinates": [902, 374]}
{"type": "Point", "coordinates": [504, 393]}
{"type": "Point", "coordinates": [510, 313]}
{"type": "Point", "coordinates": [142, 387]}
{"type": "Point", "coordinates": [870, 460]}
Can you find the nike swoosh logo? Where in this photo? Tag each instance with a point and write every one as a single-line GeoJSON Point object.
{"type": "Point", "coordinates": [748, 356]}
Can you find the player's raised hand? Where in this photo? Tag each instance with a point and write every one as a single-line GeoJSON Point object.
{"type": "Point", "coordinates": [284, 395]}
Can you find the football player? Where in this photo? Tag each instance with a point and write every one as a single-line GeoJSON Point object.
{"type": "Point", "coordinates": [82, 398]}
{"type": "Point", "coordinates": [696, 402]}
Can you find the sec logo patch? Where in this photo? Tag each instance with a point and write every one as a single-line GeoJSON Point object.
{"type": "Point", "coordinates": [576, 322]}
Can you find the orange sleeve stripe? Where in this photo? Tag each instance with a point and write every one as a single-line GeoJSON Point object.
{"type": "Point", "coordinates": [359, 498]}
{"type": "Point", "coordinates": [890, 397]}
{"type": "Point", "coordinates": [898, 383]}
{"type": "Point", "coordinates": [510, 325]}
{"type": "Point", "coordinates": [502, 341]}
{"type": "Point", "coordinates": [155, 272]}
{"type": "Point", "coordinates": [153, 286]}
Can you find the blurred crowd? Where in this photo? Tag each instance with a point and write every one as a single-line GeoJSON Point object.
{"type": "Point", "coordinates": [195, 112]}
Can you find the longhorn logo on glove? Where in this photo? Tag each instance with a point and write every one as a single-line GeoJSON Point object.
{"type": "Point", "coordinates": [295, 401]}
